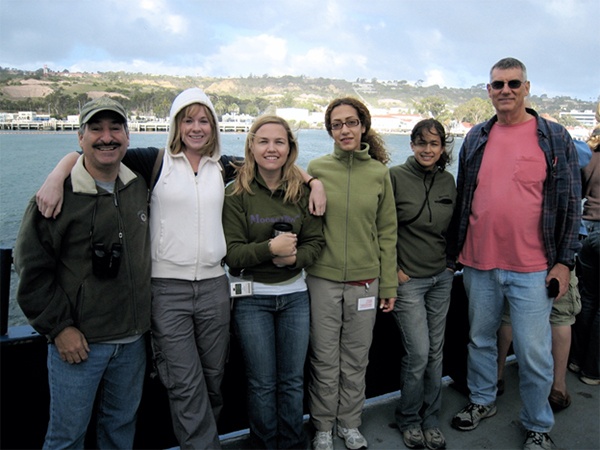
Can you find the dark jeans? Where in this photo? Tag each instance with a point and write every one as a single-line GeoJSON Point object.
{"type": "Point", "coordinates": [273, 334]}
{"type": "Point", "coordinates": [585, 351]}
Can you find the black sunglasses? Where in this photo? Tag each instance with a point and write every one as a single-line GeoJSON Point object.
{"type": "Point", "coordinates": [512, 84]}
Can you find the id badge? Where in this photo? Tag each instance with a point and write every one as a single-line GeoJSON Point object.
{"type": "Point", "coordinates": [366, 303]}
{"type": "Point", "coordinates": [239, 287]}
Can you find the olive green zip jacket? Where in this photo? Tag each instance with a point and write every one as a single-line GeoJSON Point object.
{"type": "Point", "coordinates": [360, 221]}
{"type": "Point", "coordinates": [53, 257]}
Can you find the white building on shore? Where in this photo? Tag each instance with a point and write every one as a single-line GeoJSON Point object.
{"type": "Point", "coordinates": [585, 118]}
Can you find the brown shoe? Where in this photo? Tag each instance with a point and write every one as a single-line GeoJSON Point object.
{"type": "Point", "coordinates": [558, 401]}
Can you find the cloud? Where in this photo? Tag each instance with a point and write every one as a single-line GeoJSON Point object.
{"type": "Point", "coordinates": [156, 13]}
{"type": "Point", "coordinates": [247, 54]}
{"type": "Point", "coordinates": [446, 43]}
{"type": "Point", "coordinates": [562, 9]}
{"type": "Point", "coordinates": [433, 77]}
{"type": "Point", "coordinates": [328, 63]}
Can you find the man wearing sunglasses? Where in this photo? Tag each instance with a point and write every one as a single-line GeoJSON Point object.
{"type": "Point", "coordinates": [85, 285]}
{"type": "Point", "coordinates": [515, 229]}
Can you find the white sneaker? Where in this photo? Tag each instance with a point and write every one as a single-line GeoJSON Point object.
{"type": "Point", "coordinates": [352, 437]}
{"type": "Point", "coordinates": [323, 440]}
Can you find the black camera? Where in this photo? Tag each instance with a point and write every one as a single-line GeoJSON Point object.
{"type": "Point", "coordinates": [105, 264]}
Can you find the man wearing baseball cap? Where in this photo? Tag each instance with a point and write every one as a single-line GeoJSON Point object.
{"type": "Point", "coordinates": [85, 285]}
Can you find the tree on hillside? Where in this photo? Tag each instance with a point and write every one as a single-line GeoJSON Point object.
{"type": "Point", "coordinates": [431, 106]}
{"type": "Point", "coordinates": [61, 104]}
{"type": "Point", "coordinates": [251, 109]}
{"type": "Point", "coordinates": [474, 111]}
{"type": "Point", "coordinates": [220, 107]}
{"type": "Point", "coordinates": [566, 120]}
{"type": "Point", "coordinates": [288, 100]}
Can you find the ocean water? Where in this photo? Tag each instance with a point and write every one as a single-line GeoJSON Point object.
{"type": "Point", "coordinates": [27, 157]}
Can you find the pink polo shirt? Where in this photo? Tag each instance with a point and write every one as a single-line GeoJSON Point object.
{"type": "Point", "coordinates": [505, 225]}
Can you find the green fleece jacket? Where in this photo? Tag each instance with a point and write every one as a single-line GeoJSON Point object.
{"type": "Point", "coordinates": [53, 257]}
{"type": "Point", "coordinates": [360, 220]}
{"type": "Point", "coordinates": [248, 224]}
{"type": "Point", "coordinates": [425, 202]}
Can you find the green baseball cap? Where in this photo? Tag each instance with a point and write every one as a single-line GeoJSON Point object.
{"type": "Point", "coordinates": [100, 104]}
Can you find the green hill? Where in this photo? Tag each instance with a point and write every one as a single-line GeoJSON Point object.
{"type": "Point", "coordinates": [61, 94]}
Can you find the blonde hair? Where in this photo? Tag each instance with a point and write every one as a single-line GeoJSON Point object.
{"type": "Point", "coordinates": [291, 178]}
{"type": "Point", "coordinates": [177, 145]}
{"type": "Point", "coordinates": [594, 140]}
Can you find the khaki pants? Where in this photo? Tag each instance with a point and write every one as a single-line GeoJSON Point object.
{"type": "Point", "coordinates": [340, 338]}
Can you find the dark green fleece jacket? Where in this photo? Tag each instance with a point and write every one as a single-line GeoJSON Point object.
{"type": "Point", "coordinates": [425, 202]}
{"type": "Point", "coordinates": [248, 223]}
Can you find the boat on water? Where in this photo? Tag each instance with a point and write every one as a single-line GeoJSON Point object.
{"type": "Point", "coordinates": [25, 396]}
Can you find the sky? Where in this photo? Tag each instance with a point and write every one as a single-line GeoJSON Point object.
{"type": "Point", "coordinates": [451, 43]}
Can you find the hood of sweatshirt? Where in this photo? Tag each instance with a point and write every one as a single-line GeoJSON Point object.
{"type": "Point", "coordinates": [188, 97]}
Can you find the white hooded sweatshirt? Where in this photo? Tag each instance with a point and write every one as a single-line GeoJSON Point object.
{"type": "Point", "coordinates": [187, 236]}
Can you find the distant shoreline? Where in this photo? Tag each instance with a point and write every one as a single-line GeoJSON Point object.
{"type": "Point", "coordinates": [54, 132]}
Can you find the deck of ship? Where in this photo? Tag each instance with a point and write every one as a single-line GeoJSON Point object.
{"type": "Point", "coordinates": [577, 427]}
{"type": "Point", "coordinates": [25, 397]}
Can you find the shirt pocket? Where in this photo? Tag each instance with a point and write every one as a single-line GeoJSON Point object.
{"type": "Point", "coordinates": [530, 171]}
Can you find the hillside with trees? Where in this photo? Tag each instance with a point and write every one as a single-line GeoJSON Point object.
{"type": "Point", "coordinates": [60, 94]}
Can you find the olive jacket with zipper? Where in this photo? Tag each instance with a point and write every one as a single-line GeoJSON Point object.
{"type": "Point", "coordinates": [425, 201]}
{"type": "Point", "coordinates": [360, 221]}
{"type": "Point", "coordinates": [53, 258]}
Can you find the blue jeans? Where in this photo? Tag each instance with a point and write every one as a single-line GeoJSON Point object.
{"type": "Point", "coordinates": [420, 312]}
{"type": "Point", "coordinates": [273, 334]}
{"type": "Point", "coordinates": [114, 372]}
{"type": "Point", "coordinates": [530, 309]}
{"type": "Point", "coordinates": [591, 225]}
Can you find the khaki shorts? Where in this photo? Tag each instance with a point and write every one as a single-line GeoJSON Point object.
{"type": "Point", "coordinates": [563, 311]}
